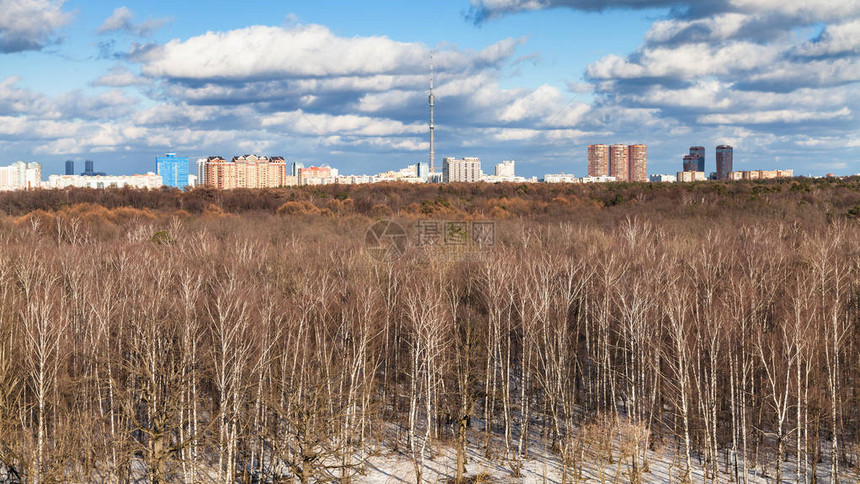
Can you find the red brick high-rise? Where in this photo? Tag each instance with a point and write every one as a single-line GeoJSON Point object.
{"type": "Point", "coordinates": [638, 163]}
{"type": "Point", "coordinates": [618, 162]}
{"type": "Point", "coordinates": [598, 160]}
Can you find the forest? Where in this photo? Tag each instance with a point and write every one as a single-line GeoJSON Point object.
{"type": "Point", "coordinates": [248, 336]}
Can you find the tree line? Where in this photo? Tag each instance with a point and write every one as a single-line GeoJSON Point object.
{"type": "Point", "coordinates": [145, 345]}
{"type": "Point", "coordinates": [791, 198]}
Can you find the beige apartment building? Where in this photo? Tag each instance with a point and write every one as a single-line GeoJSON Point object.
{"type": "Point", "coordinates": [760, 174]}
{"type": "Point", "coordinates": [247, 171]}
{"type": "Point", "coordinates": [461, 170]}
{"type": "Point", "coordinates": [691, 176]}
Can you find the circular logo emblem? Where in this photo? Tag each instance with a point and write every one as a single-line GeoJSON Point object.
{"type": "Point", "coordinates": [386, 241]}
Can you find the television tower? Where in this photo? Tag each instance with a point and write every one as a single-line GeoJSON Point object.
{"type": "Point", "coordinates": [432, 127]}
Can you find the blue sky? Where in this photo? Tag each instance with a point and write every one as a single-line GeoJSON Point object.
{"type": "Point", "coordinates": [345, 82]}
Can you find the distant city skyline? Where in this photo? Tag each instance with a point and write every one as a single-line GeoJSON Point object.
{"type": "Point", "coordinates": [534, 81]}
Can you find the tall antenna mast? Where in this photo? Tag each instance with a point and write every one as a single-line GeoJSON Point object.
{"type": "Point", "coordinates": [432, 126]}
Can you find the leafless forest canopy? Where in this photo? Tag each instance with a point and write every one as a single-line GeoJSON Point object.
{"type": "Point", "coordinates": [246, 336]}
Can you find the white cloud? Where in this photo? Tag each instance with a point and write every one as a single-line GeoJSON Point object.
{"type": "Point", "coordinates": [395, 98]}
{"type": "Point", "coordinates": [804, 10]}
{"type": "Point", "coordinates": [818, 72]}
{"type": "Point", "coordinates": [30, 24]}
{"type": "Point", "coordinates": [263, 52]}
{"type": "Point", "coordinates": [841, 38]}
{"type": "Point", "coordinates": [120, 76]}
{"type": "Point", "coordinates": [122, 20]}
{"type": "Point", "coordinates": [534, 105]}
{"type": "Point", "coordinates": [686, 61]}
{"type": "Point", "coordinates": [313, 51]}
{"type": "Point", "coordinates": [14, 99]}
{"type": "Point", "coordinates": [529, 134]}
{"type": "Point", "coordinates": [323, 124]}
{"type": "Point", "coordinates": [776, 116]}
{"type": "Point", "coordinates": [719, 27]}
{"type": "Point", "coordinates": [714, 95]}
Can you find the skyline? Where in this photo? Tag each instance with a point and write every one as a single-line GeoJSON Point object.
{"type": "Point", "coordinates": [331, 82]}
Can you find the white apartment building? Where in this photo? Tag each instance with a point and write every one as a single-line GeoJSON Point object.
{"type": "Point", "coordinates": [597, 179]}
{"type": "Point", "coordinates": [507, 179]}
{"type": "Point", "coordinates": [505, 169]}
{"type": "Point", "coordinates": [560, 178]}
{"type": "Point", "coordinates": [201, 171]}
{"type": "Point", "coordinates": [461, 170]}
{"type": "Point", "coordinates": [662, 178]}
{"type": "Point", "coordinates": [150, 180]}
{"type": "Point", "coordinates": [20, 176]}
{"type": "Point", "coordinates": [355, 179]}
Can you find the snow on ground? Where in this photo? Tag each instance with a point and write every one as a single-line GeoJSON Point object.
{"type": "Point", "coordinates": [544, 467]}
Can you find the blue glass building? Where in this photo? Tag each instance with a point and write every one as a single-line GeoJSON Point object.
{"type": "Point", "coordinates": [173, 170]}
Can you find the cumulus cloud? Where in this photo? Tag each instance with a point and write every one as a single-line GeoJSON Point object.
{"type": "Point", "coordinates": [721, 70]}
{"type": "Point", "coordinates": [743, 72]}
{"type": "Point", "coordinates": [70, 105]}
{"type": "Point", "coordinates": [264, 53]}
{"type": "Point", "coordinates": [120, 76]}
{"type": "Point", "coordinates": [686, 61]}
{"type": "Point", "coordinates": [30, 24]}
{"type": "Point", "coordinates": [16, 100]}
{"type": "Point", "coordinates": [322, 124]}
{"type": "Point", "coordinates": [307, 81]}
{"type": "Point", "coordinates": [122, 20]}
{"type": "Point", "coordinates": [482, 10]}
{"type": "Point", "coordinates": [836, 39]}
{"type": "Point", "coordinates": [282, 70]}
{"type": "Point", "coordinates": [777, 116]}
{"type": "Point", "coordinates": [802, 10]}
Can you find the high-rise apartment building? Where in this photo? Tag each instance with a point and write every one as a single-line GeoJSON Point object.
{"type": "Point", "coordinates": [220, 174]}
{"type": "Point", "coordinates": [461, 170]}
{"type": "Point", "coordinates": [621, 162]}
{"type": "Point", "coordinates": [70, 167]}
{"type": "Point", "coordinates": [618, 162]}
{"type": "Point", "coordinates": [598, 160]}
{"type": "Point", "coordinates": [637, 163]}
{"type": "Point", "coordinates": [201, 171]}
{"type": "Point", "coordinates": [21, 176]}
{"type": "Point", "coordinates": [173, 170]}
{"type": "Point", "coordinates": [422, 170]}
{"type": "Point", "coordinates": [505, 169]}
{"type": "Point", "coordinates": [724, 161]}
{"type": "Point", "coordinates": [316, 175]}
{"type": "Point", "coordinates": [247, 171]}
